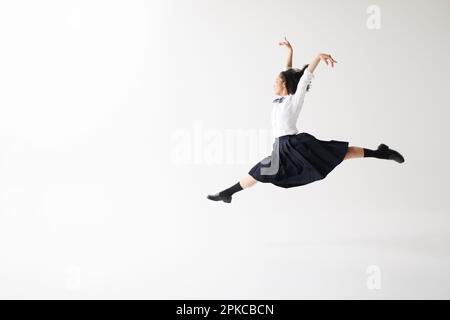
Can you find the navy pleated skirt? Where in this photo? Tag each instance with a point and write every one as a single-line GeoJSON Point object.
{"type": "Point", "coordinates": [299, 159]}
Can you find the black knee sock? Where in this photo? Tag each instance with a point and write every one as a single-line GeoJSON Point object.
{"type": "Point", "coordinates": [233, 189]}
{"type": "Point", "coordinates": [375, 154]}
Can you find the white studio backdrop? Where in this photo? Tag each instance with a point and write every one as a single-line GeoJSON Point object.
{"type": "Point", "coordinates": [117, 118]}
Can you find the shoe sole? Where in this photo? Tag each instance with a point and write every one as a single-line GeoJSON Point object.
{"type": "Point", "coordinates": [224, 200]}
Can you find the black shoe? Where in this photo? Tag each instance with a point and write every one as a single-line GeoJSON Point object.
{"type": "Point", "coordinates": [218, 197]}
{"type": "Point", "coordinates": [391, 154]}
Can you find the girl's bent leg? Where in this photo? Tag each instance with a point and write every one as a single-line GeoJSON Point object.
{"type": "Point", "coordinates": [226, 194]}
{"type": "Point", "coordinates": [248, 182]}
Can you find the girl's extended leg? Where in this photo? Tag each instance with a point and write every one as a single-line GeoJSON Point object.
{"type": "Point", "coordinates": [382, 152]}
{"type": "Point", "coordinates": [354, 152]}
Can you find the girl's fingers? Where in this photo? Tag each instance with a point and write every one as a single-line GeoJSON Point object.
{"type": "Point", "coordinates": [330, 62]}
{"type": "Point", "coordinates": [287, 44]}
{"type": "Point", "coordinates": [328, 59]}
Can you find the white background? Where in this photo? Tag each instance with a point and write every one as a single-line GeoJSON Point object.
{"type": "Point", "coordinates": [92, 204]}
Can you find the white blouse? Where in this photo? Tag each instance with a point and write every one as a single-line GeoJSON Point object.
{"type": "Point", "coordinates": [285, 113]}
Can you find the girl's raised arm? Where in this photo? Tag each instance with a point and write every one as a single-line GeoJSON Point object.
{"type": "Point", "coordinates": [287, 44]}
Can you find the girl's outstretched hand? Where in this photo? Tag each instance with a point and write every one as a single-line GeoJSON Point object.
{"type": "Point", "coordinates": [285, 43]}
{"type": "Point", "coordinates": [321, 57]}
{"type": "Point", "coordinates": [327, 59]}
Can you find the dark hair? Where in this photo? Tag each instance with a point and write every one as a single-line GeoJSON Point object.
{"type": "Point", "coordinates": [292, 77]}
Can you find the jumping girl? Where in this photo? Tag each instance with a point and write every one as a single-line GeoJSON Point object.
{"type": "Point", "coordinates": [299, 158]}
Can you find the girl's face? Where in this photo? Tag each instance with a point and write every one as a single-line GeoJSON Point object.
{"type": "Point", "coordinates": [279, 87]}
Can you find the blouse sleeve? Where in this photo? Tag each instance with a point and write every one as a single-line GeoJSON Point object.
{"type": "Point", "coordinates": [302, 85]}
